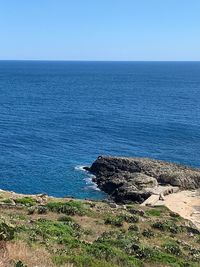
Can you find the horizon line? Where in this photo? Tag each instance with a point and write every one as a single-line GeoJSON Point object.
{"type": "Point", "coordinates": [93, 60]}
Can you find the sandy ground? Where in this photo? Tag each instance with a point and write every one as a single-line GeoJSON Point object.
{"type": "Point", "coordinates": [185, 203]}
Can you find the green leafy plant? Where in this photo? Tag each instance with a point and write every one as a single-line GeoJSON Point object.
{"type": "Point", "coordinates": [20, 264]}
{"type": "Point", "coordinates": [148, 233]}
{"type": "Point", "coordinates": [27, 201]}
{"type": "Point", "coordinates": [7, 201]}
{"type": "Point", "coordinates": [6, 232]}
{"type": "Point", "coordinates": [114, 220]}
{"type": "Point", "coordinates": [167, 225]}
{"type": "Point", "coordinates": [68, 208]}
{"type": "Point", "coordinates": [172, 248]}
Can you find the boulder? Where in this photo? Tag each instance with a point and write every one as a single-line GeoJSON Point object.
{"type": "Point", "coordinates": [135, 179]}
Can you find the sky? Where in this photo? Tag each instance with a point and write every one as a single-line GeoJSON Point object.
{"type": "Point", "coordinates": [146, 30]}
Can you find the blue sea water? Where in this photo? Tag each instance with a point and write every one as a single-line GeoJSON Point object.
{"type": "Point", "coordinates": [57, 116]}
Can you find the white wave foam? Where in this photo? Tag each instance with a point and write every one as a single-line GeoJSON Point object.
{"type": "Point", "coordinates": [92, 187]}
{"type": "Point", "coordinates": [80, 168]}
{"type": "Point", "coordinates": [88, 179]}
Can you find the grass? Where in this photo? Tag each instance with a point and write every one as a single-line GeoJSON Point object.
{"type": "Point", "coordinates": [118, 220]}
{"type": "Point", "coordinates": [168, 225]}
{"type": "Point", "coordinates": [71, 233]}
{"type": "Point", "coordinates": [7, 201]}
{"type": "Point", "coordinates": [27, 201]}
{"type": "Point", "coordinates": [172, 248]}
{"type": "Point", "coordinates": [68, 208]}
{"type": "Point", "coordinates": [156, 212]}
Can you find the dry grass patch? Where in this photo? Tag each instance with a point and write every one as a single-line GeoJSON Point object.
{"type": "Point", "coordinates": [12, 252]}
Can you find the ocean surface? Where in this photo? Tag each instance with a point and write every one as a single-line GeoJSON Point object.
{"type": "Point", "coordinates": [58, 116]}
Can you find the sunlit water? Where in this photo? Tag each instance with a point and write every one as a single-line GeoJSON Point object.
{"type": "Point", "coordinates": [58, 116]}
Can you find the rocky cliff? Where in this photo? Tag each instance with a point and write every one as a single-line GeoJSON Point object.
{"type": "Point", "coordinates": [135, 179]}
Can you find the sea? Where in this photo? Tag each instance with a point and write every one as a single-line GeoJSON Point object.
{"type": "Point", "coordinates": [58, 116]}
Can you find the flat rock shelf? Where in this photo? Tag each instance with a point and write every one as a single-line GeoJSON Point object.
{"type": "Point", "coordinates": [136, 179]}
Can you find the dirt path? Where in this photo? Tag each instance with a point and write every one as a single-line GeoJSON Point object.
{"type": "Point", "coordinates": [185, 203]}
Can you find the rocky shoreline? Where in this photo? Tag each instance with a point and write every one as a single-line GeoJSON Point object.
{"type": "Point", "coordinates": [136, 179]}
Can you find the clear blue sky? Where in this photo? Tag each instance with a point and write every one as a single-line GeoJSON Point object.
{"type": "Point", "coordinates": [100, 29]}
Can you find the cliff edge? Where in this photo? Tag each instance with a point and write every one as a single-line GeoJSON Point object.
{"type": "Point", "coordinates": [136, 179]}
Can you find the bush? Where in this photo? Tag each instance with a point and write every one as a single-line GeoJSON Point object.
{"type": "Point", "coordinates": [134, 228]}
{"type": "Point", "coordinates": [116, 221]}
{"type": "Point", "coordinates": [42, 210]}
{"type": "Point", "coordinates": [172, 248]}
{"type": "Point", "coordinates": [141, 252]}
{"type": "Point", "coordinates": [6, 232]}
{"type": "Point", "coordinates": [82, 260]}
{"type": "Point", "coordinates": [130, 218]}
{"type": "Point", "coordinates": [174, 215]}
{"type": "Point", "coordinates": [167, 226]}
{"type": "Point", "coordinates": [27, 201]}
{"type": "Point", "coordinates": [7, 201]}
{"type": "Point", "coordinates": [59, 232]}
{"type": "Point", "coordinates": [20, 264]}
{"type": "Point", "coordinates": [101, 250]}
{"type": "Point", "coordinates": [69, 221]}
{"type": "Point", "coordinates": [139, 212]}
{"type": "Point", "coordinates": [65, 219]}
{"type": "Point", "coordinates": [148, 233]}
{"type": "Point", "coordinates": [31, 210]}
{"type": "Point", "coordinates": [68, 208]}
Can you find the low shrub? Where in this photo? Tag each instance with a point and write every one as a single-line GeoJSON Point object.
{"type": "Point", "coordinates": [119, 219]}
{"type": "Point", "coordinates": [141, 252]}
{"type": "Point", "coordinates": [7, 201]}
{"type": "Point", "coordinates": [114, 220]}
{"type": "Point", "coordinates": [133, 228]}
{"type": "Point", "coordinates": [65, 219]}
{"type": "Point", "coordinates": [172, 248]}
{"type": "Point", "coordinates": [83, 260]}
{"type": "Point", "coordinates": [31, 210]}
{"type": "Point", "coordinates": [6, 232]}
{"type": "Point", "coordinates": [148, 233]}
{"type": "Point", "coordinates": [102, 250]}
{"type": "Point", "coordinates": [68, 208]}
{"type": "Point", "coordinates": [174, 215]}
{"type": "Point", "coordinates": [20, 264]}
{"type": "Point", "coordinates": [42, 210]}
{"type": "Point", "coordinates": [27, 201]}
{"type": "Point", "coordinates": [130, 218]}
{"type": "Point", "coordinates": [55, 231]}
{"type": "Point", "coordinates": [139, 212]}
{"type": "Point", "coordinates": [169, 226]}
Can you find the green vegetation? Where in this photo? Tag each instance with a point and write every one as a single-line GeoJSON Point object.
{"type": "Point", "coordinates": [92, 234]}
{"type": "Point", "coordinates": [20, 264]}
{"type": "Point", "coordinates": [6, 232]}
{"type": "Point", "coordinates": [118, 220]}
{"type": "Point", "coordinates": [114, 220]}
{"type": "Point", "coordinates": [172, 248]}
{"type": "Point", "coordinates": [68, 208]}
{"type": "Point", "coordinates": [168, 225]}
{"type": "Point", "coordinates": [27, 201]}
{"type": "Point", "coordinates": [156, 212]}
{"type": "Point", "coordinates": [7, 201]}
{"type": "Point", "coordinates": [148, 233]}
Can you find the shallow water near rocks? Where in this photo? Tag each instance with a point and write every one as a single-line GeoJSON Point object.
{"type": "Point", "coordinates": [55, 116]}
